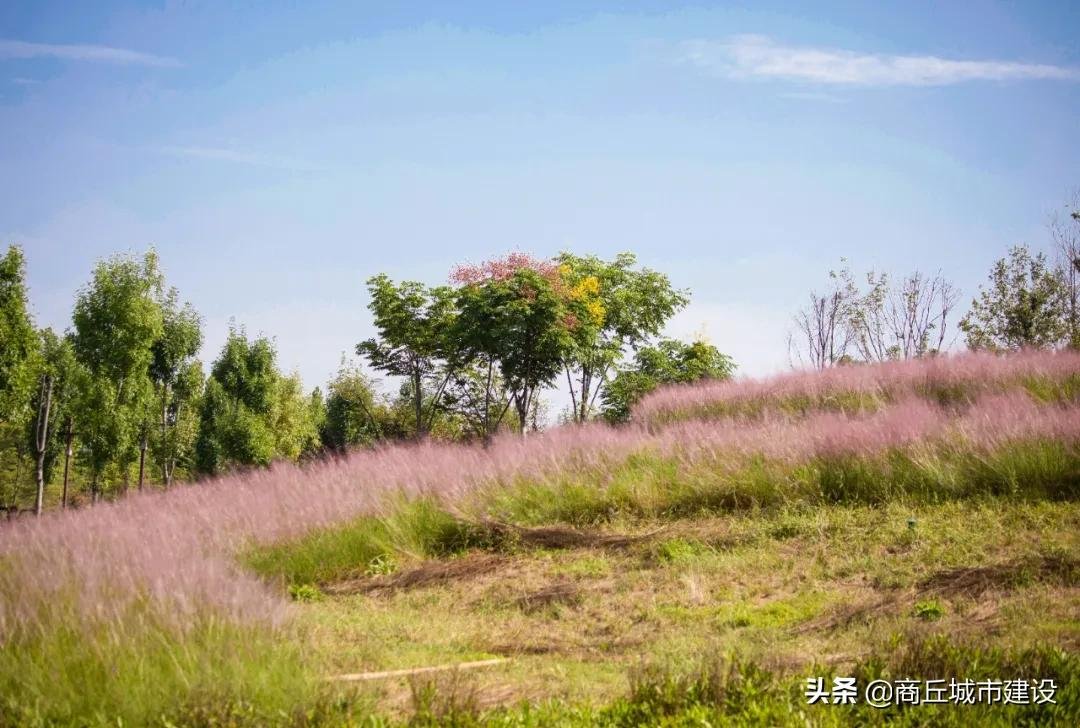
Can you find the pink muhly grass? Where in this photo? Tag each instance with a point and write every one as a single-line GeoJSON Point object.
{"type": "Point", "coordinates": [178, 549]}
{"type": "Point", "coordinates": [977, 372]}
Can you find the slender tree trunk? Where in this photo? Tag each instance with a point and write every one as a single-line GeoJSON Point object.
{"type": "Point", "coordinates": [69, 436]}
{"type": "Point", "coordinates": [487, 402]}
{"type": "Point", "coordinates": [142, 457]}
{"type": "Point", "coordinates": [41, 438]}
{"type": "Point", "coordinates": [573, 394]}
{"type": "Point", "coordinates": [521, 403]}
{"type": "Point", "coordinates": [418, 405]}
{"type": "Point", "coordinates": [165, 435]}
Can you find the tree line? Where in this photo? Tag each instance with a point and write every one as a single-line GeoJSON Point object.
{"type": "Point", "coordinates": [121, 401]}
{"type": "Point", "coordinates": [1030, 300]}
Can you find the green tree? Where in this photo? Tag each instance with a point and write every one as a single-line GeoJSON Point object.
{"type": "Point", "coordinates": [173, 354]}
{"type": "Point", "coordinates": [117, 319]}
{"type": "Point", "coordinates": [413, 322]}
{"type": "Point", "coordinates": [352, 411]}
{"type": "Point", "coordinates": [478, 396]}
{"type": "Point", "coordinates": [625, 307]}
{"type": "Point", "coordinates": [237, 406]}
{"type": "Point", "coordinates": [525, 324]}
{"type": "Point", "coordinates": [176, 449]}
{"type": "Point", "coordinates": [1023, 306]}
{"type": "Point", "coordinates": [19, 363]}
{"type": "Point", "coordinates": [50, 433]}
{"type": "Point", "coordinates": [668, 362]}
{"type": "Point", "coordinates": [293, 420]}
{"type": "Point", "coordinates": [18, 338]}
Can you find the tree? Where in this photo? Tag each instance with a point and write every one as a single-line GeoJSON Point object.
{"type": "Point", "coordinates": [478, 395]}
{"type": "Point", "coordinates": [627, 306]}
{"type": "Point", "coordinates": [823, 332]}
{"type": "Point", "coordinates": [351, 407]}
{"type": "Point", "coordinates": [18, 337]}
{"type": "Point", "coordinates": [19, 363]}
{"type": "Point", "coordinates": [1023, 306]}
{"type": "Point", "coordinates": [173, 353]}
{"type": "Point", "coordinates": [412, 322]}
{"type": "Point", "coordinates": [117, 320]}
{"type": "Point", "coordinates": [668, 362]}
{"type": "Point", "coordinates": [56, 370]}
{"type": "Point", "coordinates": [524, 323]}
{"type": "Point", "coordinates": [50, 434]}
{"type": "Point", "coordinates": [1065, 233]}
{"type": "Point", "coordinates": [237, 406]}
{"type": "Point", "coordinates": [293, 420]}
{"type": "Point", "coordinates": [905, 323]}
{"type": "Point", "coordinates": [176, 445]}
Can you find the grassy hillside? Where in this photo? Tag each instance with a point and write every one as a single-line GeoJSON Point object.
{"type": "Point", "coordinates": [913, 520]}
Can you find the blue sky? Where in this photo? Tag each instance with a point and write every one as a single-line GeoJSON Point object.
{"type": "Point", "coordinates": [278, 155]}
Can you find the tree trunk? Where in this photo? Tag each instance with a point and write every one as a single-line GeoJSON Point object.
{"type": "Point", "coordinates": [69, 436]}
{"type": "Point", "coordinates": [418, 403]}
{"type": "Point", "coordinates": [521, 403]}
{"type": "Point", "coordinates": [165, 435]}
{"type": "Point", "coordinates": [142, 458]}
{"type": "Point", "coordinates": [41, 439]}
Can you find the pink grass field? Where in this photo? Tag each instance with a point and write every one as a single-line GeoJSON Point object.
{"type": "Point", "coordinates": [178, 548]}
{"type": "Point", "coordinates": [977, 372]}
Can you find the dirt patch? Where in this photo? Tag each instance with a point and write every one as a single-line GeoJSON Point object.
{"type": "Point", "coordinates": [974, 581]}
{"type": "Point", "coordinates": [426, 574]}
{"type": "Point", "coordinates": [561, 537]}
{"type": "Point", "coordinates": [563, 592]}
{"type": "Point", "coordinates": [847, 614]}
{"type": "Point", "coordinates": [970, 582]}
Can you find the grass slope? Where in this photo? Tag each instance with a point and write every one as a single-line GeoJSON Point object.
{"type": "Point", "coordinates": [917, 520]}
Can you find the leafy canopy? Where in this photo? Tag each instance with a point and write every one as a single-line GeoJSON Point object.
{"type": "Point", "coordinates": [1023, 305]}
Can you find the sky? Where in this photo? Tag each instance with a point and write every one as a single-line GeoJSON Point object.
{"type": "Point", "coordinates": [277, 155]}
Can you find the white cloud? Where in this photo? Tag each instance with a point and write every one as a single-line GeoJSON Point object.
{"type": "Point", "coordinates": [755, 56]}
{"type": "Point", "coordinates": [103, 54]}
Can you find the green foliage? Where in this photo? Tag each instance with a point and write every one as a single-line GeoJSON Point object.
{"type": "Point", "coordinates": [293, 420]}
{"type": "Point", "coordinates": [235, 420]}
{"type": "Point", "coordinates": [625, 307]}
{"type": "Point", "coordinates": [522, 323]}
{"type": "Point", "coordinates": [177, 380]}
{"type": "Point", "coordinates": [250, 414]}
{"type": "Point", "coordinates": [305, 593]}
{"type": "Point", "coordinates": [929, 610]}
{"type": "Point", "coordinates": [1024, 305]}
{"type": "Point", "coordinates": [18, 338]}
{"type": "Point", "coordinates": [57, 362]}
{"type": "Point", "coordinates": [669, 362]}
{"type": "Point", "coordinates": [118, 319]}
{"type": "Point", "coordinates": [381, 565]}
{"type": "Point", "coordinates": [353, 414]}
{"type": "Point", "coordinates": [413, 322]}
{"type": "Point", "coordinates": [230, 434]}
{"type": "Point", "coordinates": [246, 371]}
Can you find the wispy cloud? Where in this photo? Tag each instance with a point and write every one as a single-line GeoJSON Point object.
{"type": "Point", "coordinates": [756, 56]}
{"type": "Point", "coordinates": [95, 53]}
{"type": "Point", "coordinates": [236, 156]}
